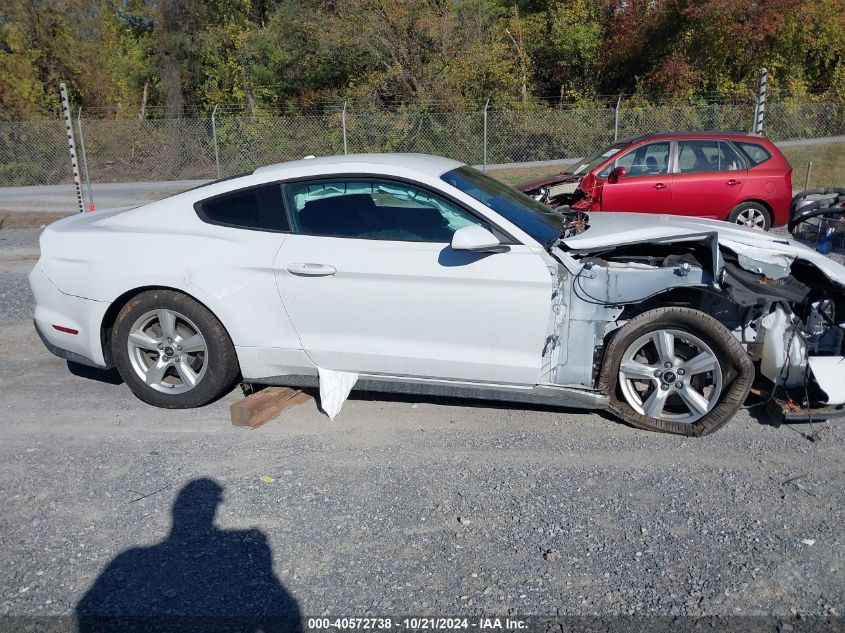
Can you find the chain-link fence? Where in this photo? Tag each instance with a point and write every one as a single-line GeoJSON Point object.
{"type": "Point", "coordinates": [35, 152]}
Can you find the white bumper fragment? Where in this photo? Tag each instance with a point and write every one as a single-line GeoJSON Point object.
{"type": "Point", "coordinates": [828, 372]}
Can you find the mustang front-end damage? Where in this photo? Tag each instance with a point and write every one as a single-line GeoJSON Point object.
{"type": "Point", "coordinates": [774, 306]}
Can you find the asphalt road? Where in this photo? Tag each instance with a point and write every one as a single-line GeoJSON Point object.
{"type": "Point", "coordinates": [399, 506]}
{"type": "Point", "coordinates": [108, 196]}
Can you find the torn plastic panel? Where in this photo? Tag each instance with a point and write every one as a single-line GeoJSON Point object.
{"type": "Point", "coordinates": [772, 264]}
{"type": "Point", "coordinates": [827, 370]}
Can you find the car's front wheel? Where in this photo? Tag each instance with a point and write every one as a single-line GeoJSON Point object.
{"type": "Point", "coordinates": [676, 370]}
{"type": "Point", "coordinates": [172, 351]}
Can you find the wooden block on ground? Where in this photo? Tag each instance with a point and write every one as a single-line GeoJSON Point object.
{"type": "Point", "coordinates": [263, 406]}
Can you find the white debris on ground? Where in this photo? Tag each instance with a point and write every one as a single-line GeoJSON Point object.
{"type": "Point", "coordinates": [334, 389]}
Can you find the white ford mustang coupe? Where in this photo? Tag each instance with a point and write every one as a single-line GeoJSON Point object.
{"type": "Point", "coordinates": [419, 274]}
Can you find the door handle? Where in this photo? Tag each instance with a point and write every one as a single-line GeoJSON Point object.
{"type": "Point", "coordinates": [311, 270]}
{"type": "Point", "coordinates": [660, 185]}
{"type": "Point", "coordinates": [732, 182]}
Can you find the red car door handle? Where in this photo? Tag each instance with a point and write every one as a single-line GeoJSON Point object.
{"type": "Point", "coordinates": [732, 182]}
{"type": "Point", "coordinates": [660, 185]}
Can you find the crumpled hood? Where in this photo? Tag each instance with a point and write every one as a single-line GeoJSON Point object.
{"type": "Point", "coordinates": [557, 179]}
{"type": "Point", "coordinates": [614, 229]}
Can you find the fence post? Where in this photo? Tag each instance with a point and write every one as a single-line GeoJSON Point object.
{"type": "Point", "coordinates": [71, 146]}
{"type": "Point", "coordinates": [214, 138]}
{"type": "Point", "coordinates": [484, 163]}
{"type": "Point", "coordinates": [343, 123]}
{"type": "Point", "coordinates": [85, 160]}
{"type": "Point", "coordinates": [760, 106]}
{"type": "Point", "coordinates": [616, 119]}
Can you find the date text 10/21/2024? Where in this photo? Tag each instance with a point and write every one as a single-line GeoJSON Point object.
{"type": "Point", "coordinates": [417, 624]}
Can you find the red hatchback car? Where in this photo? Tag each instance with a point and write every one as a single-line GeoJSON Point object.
{"type": "Point", "coordinates": [741, 178]}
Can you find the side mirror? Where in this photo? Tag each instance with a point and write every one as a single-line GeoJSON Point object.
{"type": "Point", "coordinates": [616, 173]}
{"type": "Point", "coordinates": [478, 240]}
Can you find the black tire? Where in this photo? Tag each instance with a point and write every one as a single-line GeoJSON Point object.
{"type": "Point", "coordinates": [736, 216]}
{"type": "Point", "coordinates": [218, 358]}
{"type": "Point", "coordinates": [736, 367]}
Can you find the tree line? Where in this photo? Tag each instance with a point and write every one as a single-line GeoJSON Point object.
{"type": "Point", "coordinates": [170, 57]}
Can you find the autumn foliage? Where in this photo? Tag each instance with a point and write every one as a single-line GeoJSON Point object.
{"type": "Point", "coordinates": [169, 57]}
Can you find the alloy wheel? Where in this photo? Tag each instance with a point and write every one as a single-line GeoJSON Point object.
{"type": "Point", "coordinates": [671, 375]}
{"type": "Point", "coordinates": [167, 351]}
{"type": "Point", "coordinates": [751, 217]}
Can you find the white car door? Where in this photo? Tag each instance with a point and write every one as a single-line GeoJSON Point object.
{"type": "Point", "coordinates": [372, 286]}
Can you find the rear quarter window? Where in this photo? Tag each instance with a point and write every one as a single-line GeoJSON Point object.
{"type": "Point", "coordinates": [257, 208]}
{"type": "Point", "coordinates": [755, 152]}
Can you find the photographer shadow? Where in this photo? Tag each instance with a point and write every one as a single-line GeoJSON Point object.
{"type": "Point", "coordinates": [200, 578]}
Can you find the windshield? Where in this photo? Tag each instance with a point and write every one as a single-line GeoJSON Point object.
{"type": "Point", "coordinates": [540, 222]}
{"type": "Point", "coordinates": [589, 164]}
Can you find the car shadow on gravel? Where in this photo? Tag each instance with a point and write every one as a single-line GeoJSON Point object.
{"type": "Point", "coordinates": [475, 403]}
{"type": "Point", "coordinates": [199, 578]}
{"type": "Point", "coordinates": [449, 401]}
{"type": "Point", "coordinates": [108, 376]}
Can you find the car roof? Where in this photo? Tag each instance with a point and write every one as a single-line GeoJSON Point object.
{"type": "Point", "coordinates": [681, 135]}
{"type": "Point", "coordinates": [425, 163]}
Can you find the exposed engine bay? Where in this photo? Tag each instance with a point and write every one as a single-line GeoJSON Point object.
{"type": "Point", "coordinates": [575, 222]}
{"type": "Point", "coordinates": [781, 301]}
{"type": "Point", "coordinates": [559, 194]}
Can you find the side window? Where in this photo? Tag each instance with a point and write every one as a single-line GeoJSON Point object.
{"type": "Point", "coordinates": [707, 155]}
{"type": "Point", "coordinates": [730, 158]}
{"type": "Point", "coordinates": [756, 153]}
{"type": "Point", "coordinates": [259, 208]}
{"type": "Point", "coordinates": [376, 210]}
{"type": "Point", "coordinates": [646, 160]}
{"type": "Point", "coordinates": [627, 161]}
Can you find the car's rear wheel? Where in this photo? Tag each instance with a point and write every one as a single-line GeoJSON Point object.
{"type": "Point", "coordinates": [172, 351]}
{"type": "Point", "coordinates": [676, 370]}
{"type": "Point", "coordinates": [751, 214]}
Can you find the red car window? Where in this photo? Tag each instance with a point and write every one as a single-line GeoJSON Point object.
{"type": "Point", "coordinates": [645, 160]}
{"type": "Point", "coordinates": [755, 152]}
{"type": "Point", "coordinates": [707, 155]}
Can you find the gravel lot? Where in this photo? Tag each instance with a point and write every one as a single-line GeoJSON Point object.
{"type": "Point", "coordinates": [400, 506]}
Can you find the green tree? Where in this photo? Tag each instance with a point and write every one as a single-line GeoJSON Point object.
{"type": "Point", "coordinates": [42, 43]}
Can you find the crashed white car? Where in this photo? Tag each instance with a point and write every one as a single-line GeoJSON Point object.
{"type": "Point", "coordinates": [418, 274]}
